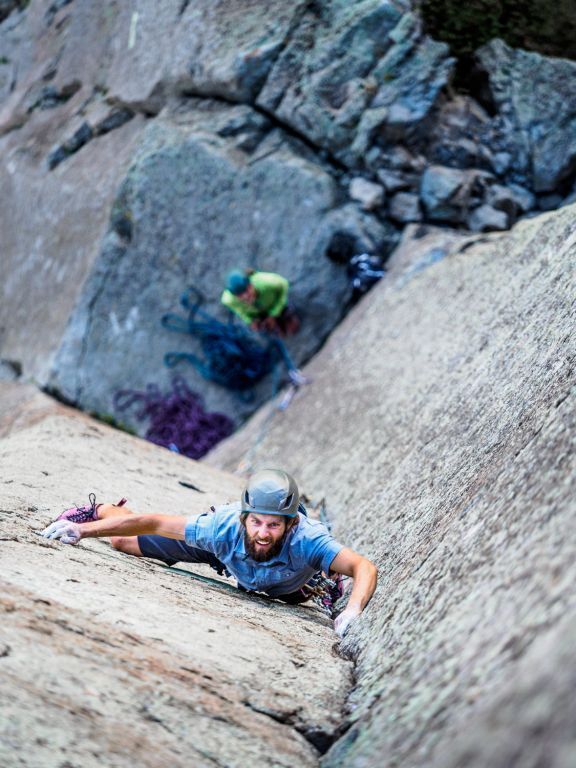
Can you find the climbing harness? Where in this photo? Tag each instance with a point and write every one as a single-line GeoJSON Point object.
{"type": "Point", "coordinates": [178, 420]}
{"type": "Point", "coordinates": [234, 357]}
{"type": "Point", "coordinates": [325, 592]}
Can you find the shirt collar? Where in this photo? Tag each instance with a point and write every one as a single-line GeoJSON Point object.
{"type": "Point", "coordinates": [282, 557]}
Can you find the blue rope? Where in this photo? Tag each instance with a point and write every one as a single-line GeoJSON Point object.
{"type": "Point", "coordinates": [233, 356]}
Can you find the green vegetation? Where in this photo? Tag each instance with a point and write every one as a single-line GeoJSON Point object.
{"type": "Point", "coordinates": [112, 421]}
{"type": "Point", "coordinates": [545, 26]}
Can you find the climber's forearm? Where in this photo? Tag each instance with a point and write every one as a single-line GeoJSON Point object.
{"type": "Point", "coordinates": [171, 526]}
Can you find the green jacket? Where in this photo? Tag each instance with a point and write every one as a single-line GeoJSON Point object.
{"type": "Point", "coordinates": [271, 297]}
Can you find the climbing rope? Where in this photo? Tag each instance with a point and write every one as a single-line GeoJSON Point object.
{"type": "Point", "coordinates": [178, 420]}
{"type": "Point", "coordinates": [234, 357]}
{"type": "Point", "coordinates": [246, 464]}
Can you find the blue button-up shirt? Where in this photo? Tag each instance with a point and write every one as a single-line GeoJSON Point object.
{"type": "Point", "coordinates": [308, 548]}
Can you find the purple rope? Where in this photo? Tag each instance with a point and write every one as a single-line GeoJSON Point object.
{"type": "Point", "coordinates": [178, 420]}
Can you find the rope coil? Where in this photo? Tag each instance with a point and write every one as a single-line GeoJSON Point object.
{"type": "Point", "coordinates": [234, 357]}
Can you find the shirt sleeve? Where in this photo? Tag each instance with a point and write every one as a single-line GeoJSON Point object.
{"type": "Point", "coordinates": [275, 288]}
{"type": "Point", "coordinates": [322, 550]}
{"type": "Point", "coordinates": [238, 307]}
{"type": "Point", "coordinates": [200, 531]}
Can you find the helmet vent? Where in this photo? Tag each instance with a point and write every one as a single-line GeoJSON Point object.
{"type": "Point", "coordinates": [288, 501]}
{"type": "Point", "coordinates": [247, 497]}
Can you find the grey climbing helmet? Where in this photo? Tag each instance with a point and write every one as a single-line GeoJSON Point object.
{"type": "Point", "coordinates": [271, 492]}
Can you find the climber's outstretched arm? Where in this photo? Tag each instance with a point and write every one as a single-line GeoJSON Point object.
{"type": "Point", "coordinates": [171, 526]}
{"type": "Point", "coordinates": [365, 575]}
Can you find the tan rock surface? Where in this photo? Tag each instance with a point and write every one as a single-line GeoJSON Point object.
{"type": "Point", "coordinates": [110, 660]}
{"type": "Point", "coordinates": [23, 405]}
{"type": "Point", "coordinates": [440, 427]}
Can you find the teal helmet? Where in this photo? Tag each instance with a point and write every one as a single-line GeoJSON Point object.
{"type": "Point", "coordinates": [271, 492]}
{"type": "Point", "coordinates": [237, 282]}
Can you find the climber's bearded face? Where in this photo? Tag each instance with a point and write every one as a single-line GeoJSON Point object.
{"type": "Point", "coordinates": [264, 536]}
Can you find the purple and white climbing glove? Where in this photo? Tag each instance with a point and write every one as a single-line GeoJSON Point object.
{"type": "Point", "coordinates": [344, 619]}
{"type": "Point", "coordinates": [67, 532]}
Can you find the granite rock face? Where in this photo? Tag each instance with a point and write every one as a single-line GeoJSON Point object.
{"type": "Point", "coordinates": [219, 49]}
{"type": "Point", "coordinates": [52, 225]}
{"type": "Point", "coordinates": [140, 55]}
{"type": "Point", "coordinates": [124, 207]}
{"type": "Point", "coordinates": [536, 99]}
{"type": "Point", "coordinates": [89, 637]}
{"type": "Point", "coordinates": [353, 72]}
{"type": "Point", "coordinates": [450, 391]}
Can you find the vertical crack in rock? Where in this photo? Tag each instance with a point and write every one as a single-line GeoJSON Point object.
{"type": "Point", "coordinates": [318, 737]}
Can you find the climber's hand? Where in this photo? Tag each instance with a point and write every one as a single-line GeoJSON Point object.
{"type": "Point", "coordinates": [344, 619]}
{"type": "Point", "coordinates": [67, 532]}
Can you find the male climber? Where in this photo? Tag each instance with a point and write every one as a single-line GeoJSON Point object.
{"type": "Point", "coordinates": [265, 541]}
{"type": "Point", "coordinates": [260, 299]}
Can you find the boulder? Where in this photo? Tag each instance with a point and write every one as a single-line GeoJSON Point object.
{"type": "Point", "coordinates": [501, 162]}
{"type": "Point", "coordinates": [446, 193]}
{"type": "Point", "coordinates": [534, 94]}
{"type": "Point", "coordinates": [463, 153]}
{"type": "Point", "coordinates": [394, 181]}
{"type": "Point", "coordinates": [350, 230]}
{"type": "Point", "coordinates": [405, 207]}
{"type": "Point", "coordinates": [523, 198]}
{"type": "Point", "coordinates": [369, 195]}
{"type": "Point", "coordinates": [513, 199]}
{"type": "Point", "coordinates": [486, 218]}
{"type": "Point", "coordinates": [455, 135]}
{"type": "Point", "coordinates": [395, 158]}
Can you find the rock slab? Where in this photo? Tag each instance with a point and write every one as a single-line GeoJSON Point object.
{"type": "Point", "coordinates": [90, 637]}
{"type": "Point", "coordinates": [450, 392]}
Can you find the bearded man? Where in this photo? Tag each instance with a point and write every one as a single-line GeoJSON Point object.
{"type": "Point", "coordinates": [266, 541]}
